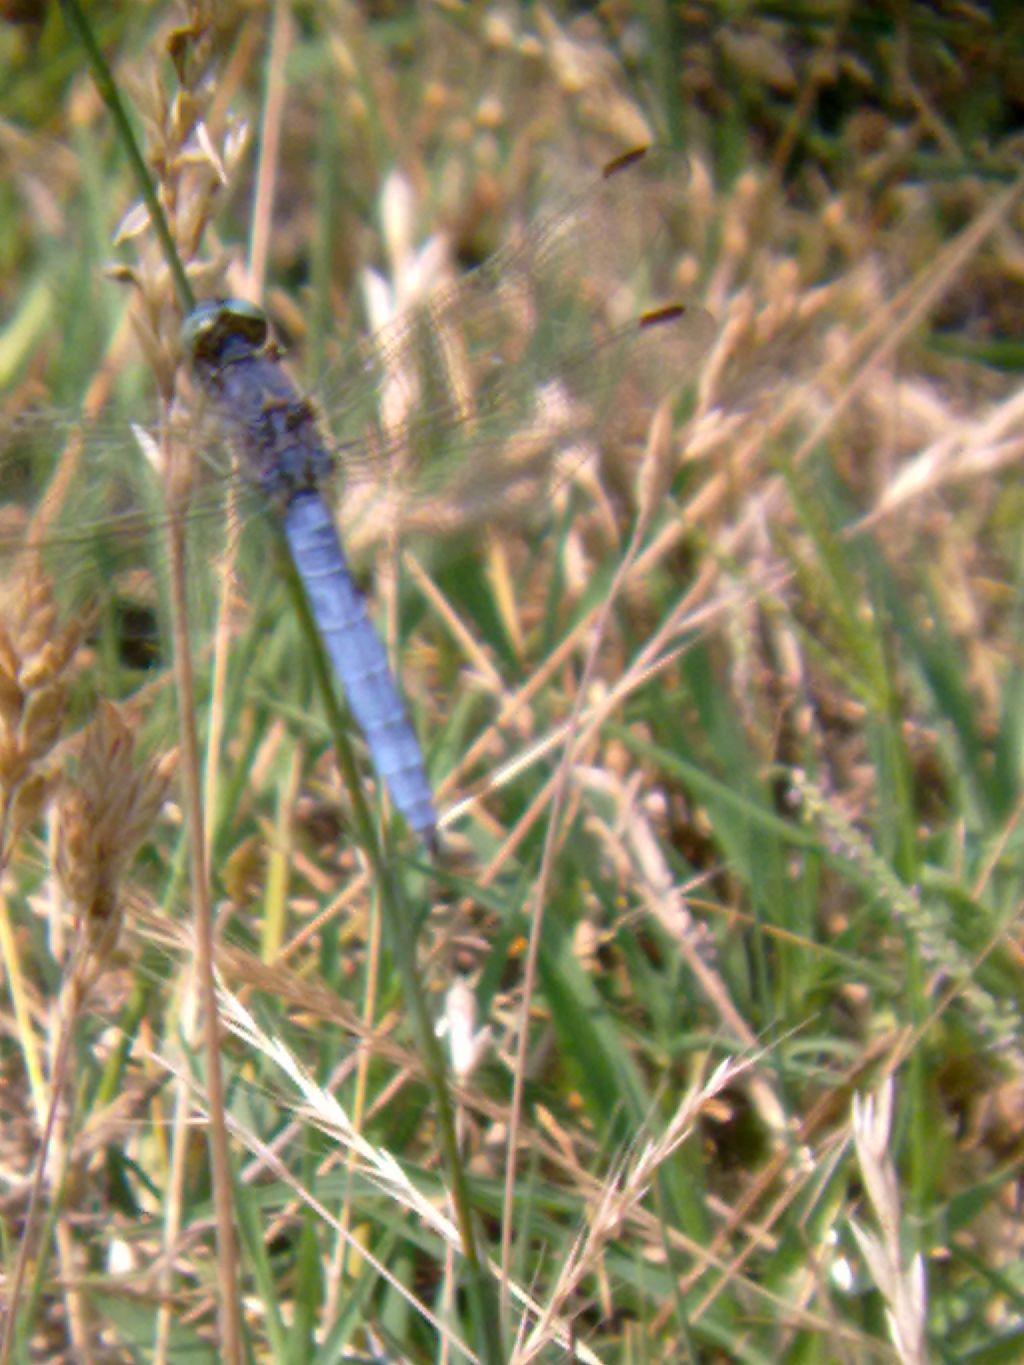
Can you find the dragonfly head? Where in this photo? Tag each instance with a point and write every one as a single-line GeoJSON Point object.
{"type": "Point", "coordinates": [218, 331]}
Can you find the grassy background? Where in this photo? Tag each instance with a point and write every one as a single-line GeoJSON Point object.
{"type": "Point", "coordinates": [789, 835]}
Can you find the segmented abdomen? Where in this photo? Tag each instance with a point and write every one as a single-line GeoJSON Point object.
{"type": "Point", "coordinates": [359, 657]}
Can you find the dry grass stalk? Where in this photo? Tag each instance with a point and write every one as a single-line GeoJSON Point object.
{"type": "Point", "coordinates": [900, 1282]}
{"type": "Point", "coordinates": [624, 1191]}
{"type": "Point", "coordinates": [192, 148]}
{"type": "Point", "coordinates": [377, 1165]}
{"type": "Point", "coordinates": [107, 807]}
{"type": "Point", "coordinates": [105, 810]}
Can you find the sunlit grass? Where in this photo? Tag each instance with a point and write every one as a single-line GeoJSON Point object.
{"type": "Point", "coordinates": [788, 832]}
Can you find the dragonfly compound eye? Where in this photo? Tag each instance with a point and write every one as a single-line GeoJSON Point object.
{"type": "Point", "coordinates": [216, 326]}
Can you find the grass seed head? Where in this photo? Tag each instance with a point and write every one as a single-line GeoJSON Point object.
{"type": "Point", "coordinates": [105, 812]}
{"type": "Point", "coordinates": [35, 655]}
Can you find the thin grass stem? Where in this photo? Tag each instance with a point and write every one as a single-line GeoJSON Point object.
{"type": "Point", "coordinates": [107, 86]}
{"type": "Point", "coordinates": [227, 1257]}
{"type": "Point", "coordinates": [229, 1313]}
{"type": "Point", "coordinates": [397, 919]}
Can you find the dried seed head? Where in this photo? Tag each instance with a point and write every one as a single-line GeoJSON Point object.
{"type": "Point", "coordinates": [104, 813]}
{"type": "Point", "coordinates": [190, 166]}
{"type": "Point", "coordinates": [35, 653]}
{"type": "Point", "coordinates": [32, 646]}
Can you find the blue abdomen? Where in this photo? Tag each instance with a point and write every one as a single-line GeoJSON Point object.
{"type": "Point", "coordinates": [359, 658]}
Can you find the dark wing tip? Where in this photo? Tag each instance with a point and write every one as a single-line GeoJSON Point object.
{"type": "Point", "coordinates": [671, 312]}
{"type": "Point", "coordinates": [619, 163]}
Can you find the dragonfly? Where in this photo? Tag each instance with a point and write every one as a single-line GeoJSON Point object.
{"type": "Point", "coordinates": [471, 398]}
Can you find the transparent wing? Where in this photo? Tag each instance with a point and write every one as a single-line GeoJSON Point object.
{"type": "Point", "coordinates": [553, 344]}
{"type": "Point", "coordinates": [463, 408]}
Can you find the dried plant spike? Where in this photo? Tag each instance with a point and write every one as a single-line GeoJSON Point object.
{"type": "Point", "coordinates": [901, 1281]}
{"type": "Point", "coordinates": [105, 813]}
{"type": "Point", "coordinates": [35, 653]}
{"type": "Point", "coordinates": [32, 644]}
